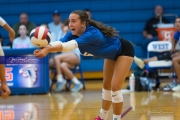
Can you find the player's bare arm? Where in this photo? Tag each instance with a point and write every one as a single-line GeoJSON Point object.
{"type": "Point", "coordinates": [8, 28]}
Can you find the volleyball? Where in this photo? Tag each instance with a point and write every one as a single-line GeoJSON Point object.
{"type": "Point", "coordinates": [40, 36]}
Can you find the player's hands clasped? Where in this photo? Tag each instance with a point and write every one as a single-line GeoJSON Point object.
{"type": "Point", "coordinates": [40, 53]}
{"type": "Point", "coordinates": [5, 91]}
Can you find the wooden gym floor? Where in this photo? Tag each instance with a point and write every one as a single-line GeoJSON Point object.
{"type": "Point", "coordinates": [85, 105]}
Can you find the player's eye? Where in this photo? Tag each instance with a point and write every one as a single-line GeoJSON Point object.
{"type": "Point", "coordinates": [73, 21]}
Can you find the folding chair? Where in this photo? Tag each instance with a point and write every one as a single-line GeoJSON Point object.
{"type": "Point", "coordinates": [159, 47]}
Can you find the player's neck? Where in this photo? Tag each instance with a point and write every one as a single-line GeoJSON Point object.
{"type": "Point", "coordinates": [23, 37]}
{"type": "Point", "coordinates": [82, 31]}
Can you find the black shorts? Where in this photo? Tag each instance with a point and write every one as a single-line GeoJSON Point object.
{"type": "Point", "coordinates": [127, 48]}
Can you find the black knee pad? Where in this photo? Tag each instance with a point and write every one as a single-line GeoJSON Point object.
{"type": "Point", "coordinates": [164, 56]}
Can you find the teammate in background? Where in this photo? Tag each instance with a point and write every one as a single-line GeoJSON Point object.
{"type": "Point", "coordinates": [167, 55]}
{"type": "Point", "coordinates": [176, 65]}
{"type": "Point", "coordinates": [95, 38]}
{"type": "Point", "coordinates": [66, 61]}
{"type": "Point", "coordinates": [171, 55]}
{"type": "Point", "coordinates": [176, 56]}
{"type": "Point", "coordinates": [5, 91]}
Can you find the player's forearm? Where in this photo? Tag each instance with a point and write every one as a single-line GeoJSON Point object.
{"type": "Point", "coordinates": [63, 47]}
{"type": "Point", "coordinates": [57, 48]}
{"type": "Point", "coordinates": [8, 28]}
{"type": "Point", "coordinates": [5, 25]}
{"type": "Point", "coordinates": [2, 74]}
{"type": "Point", "coordinates": [145, 34]}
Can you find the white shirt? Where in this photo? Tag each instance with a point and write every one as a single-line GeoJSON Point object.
{"type": "Point", "coordinates": [20, 43]}
{"type": "Point", "coordinates": [55, 29]}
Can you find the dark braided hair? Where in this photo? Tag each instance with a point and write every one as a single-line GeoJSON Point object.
{"type": "Point", "coordinates": [105, 29]}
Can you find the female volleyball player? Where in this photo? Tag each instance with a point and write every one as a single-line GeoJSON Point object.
{"type": "Point", "coordinates": [176, 65]}
{"type": "Point", "coordinates": [5, 92]}
{"type": "Point", "coordinates": [94, 38]}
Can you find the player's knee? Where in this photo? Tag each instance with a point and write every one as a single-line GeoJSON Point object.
{"type": "Point", "coordinates": [57, 58]}
{"type": "Point", "coordinates": [115, 87]}
{"type": "Point", "coordinates": [117, 96]}
{"type": "Point", "coordinates": [106, 95]}
{"type": "Point", "coordinates": [174, 60]}
{"type": "Point", "coordinates": [107, 86]}
{"type": "Point", "coordinates": [63, 65]}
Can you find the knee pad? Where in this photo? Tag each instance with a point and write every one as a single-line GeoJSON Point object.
{"type": "Point", "coordinates": [117, 96]}
{"type": "Point", "coordinates": [165, 56]}
{"type": "Point", "coordinates": [106, 95]}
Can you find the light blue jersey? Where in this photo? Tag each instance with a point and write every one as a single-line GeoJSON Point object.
{"type": "Point", "coordinates": [94, 42]}
{"type": "Point", "coordinates": [177, 36]}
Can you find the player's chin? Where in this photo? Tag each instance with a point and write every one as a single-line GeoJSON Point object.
{"type": "Point", "coordinates": [73, 32]}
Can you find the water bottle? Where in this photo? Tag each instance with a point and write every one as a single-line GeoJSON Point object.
{"type": "Point", "coordinates": [132, 100]}
{"type": "Point", "coordinates": [132, 82]}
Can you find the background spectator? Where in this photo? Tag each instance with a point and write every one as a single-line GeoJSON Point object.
{"type": "Point", "coordinates": [55, 25]}
{"type": "Point", "coordinates": [150, 32]}
{"type": "Point", "coordinates": [24, 20]}
{"type": "Point", "coordinates": [63, 63]}
{"type": "Point", "coordinates": [23, 41]}
{"type": "Point", "coordinates": [65, 29]}
{"type": "Point", "coordinates": [88, 12]}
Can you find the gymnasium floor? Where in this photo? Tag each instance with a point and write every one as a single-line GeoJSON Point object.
{"type": "Point", "coordinates": [85, 105]}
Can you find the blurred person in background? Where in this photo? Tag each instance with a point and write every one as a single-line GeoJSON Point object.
{"type": "Point", "coordinates": [55, 26]}
{"type": "Point", "coordinates": [23, 19]}
{"type": "Point", "coordinates": [176, 65]}
{"type": "Point", "coordinates": [150, 34]}
{"type": "Point", "coordinates": [170, 55]}
{"type": "Point", "coordinates": [64, 62]}
{"type": "Point", "coordinates": [65, 29]}
{"type": "Point", "coordinates": [23, 41]}
{"type": "Point", "coordinates": [88, 12]}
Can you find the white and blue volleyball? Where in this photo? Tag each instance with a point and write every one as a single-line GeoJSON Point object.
{"type": "Point", "coordinates": [40, 36]}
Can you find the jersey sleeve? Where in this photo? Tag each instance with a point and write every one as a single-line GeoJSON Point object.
{"type": "Point", "coordinates": [176, 36]}
{"type": "Point", "coordinates": [86, 38]}
{"type": "Point", "coordinates": [0, 36]}
{"type": "Point", "coordinates": [67, 37]}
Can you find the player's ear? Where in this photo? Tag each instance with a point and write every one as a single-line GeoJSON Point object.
{"type": "Point", "coordinates": [83, 23]}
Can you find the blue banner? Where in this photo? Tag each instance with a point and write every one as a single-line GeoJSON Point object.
{"type": "Point", "coordinates": [23, 71]}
